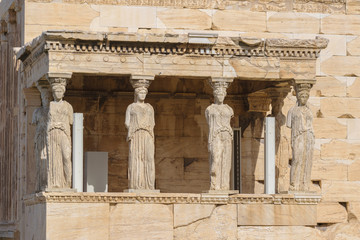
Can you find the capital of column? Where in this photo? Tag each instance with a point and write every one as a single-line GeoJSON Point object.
{"type": "Point", "coordinates": [220, 83]}
{"type": "Point", "coordinates": [141, 80]}
{"type": "Point", "coordinates": [56, 79]}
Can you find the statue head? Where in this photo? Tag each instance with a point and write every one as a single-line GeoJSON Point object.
{"type": "Point", "coordinates": [219, 95]}
{"type": "Point", "coordinates": [45, 93]}
{"type": "Point", "coordinates": [302, 93]}
{"type": "Point", "coordinates": [58, 88]}
{"type": "Point", "coordinates": [58, 92]}
{"type": "Point", "coordinates": [140, 94]}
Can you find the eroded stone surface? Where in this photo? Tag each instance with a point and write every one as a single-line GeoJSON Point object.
{"type": "Point", "coordinates": [147, 221]}
{"type": "Point", "coordinates": [279, 233]}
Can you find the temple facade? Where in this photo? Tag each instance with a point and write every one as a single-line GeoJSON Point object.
{"type": "Point", "coordinates": [176, 93]}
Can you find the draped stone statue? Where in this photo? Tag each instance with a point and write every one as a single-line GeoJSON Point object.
{"type": "Point", "coordinates": [140, 123]}
{"type": "Point", "coordinates": [59, 137]}
{"type": "Point", "coordinates": [300, 119]}
{"type": "Point", "coordinates": [40, 119]}
{"type": "Point", "coordinates": [218, 117]}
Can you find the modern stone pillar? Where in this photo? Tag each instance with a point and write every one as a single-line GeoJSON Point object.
{"type": "Point", "coordinates": [269, 165]}
{"type": "Point", "coordinates": [78, 152]}
{"type": "Point", "coordinates": [218, 116]}
{"type": "Point", "coordinates": [140, 122]}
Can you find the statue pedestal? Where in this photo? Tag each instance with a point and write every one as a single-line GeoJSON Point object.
{"type": "Point", "coordinates": [222, 192]}
{"type": "Point", "coordinates": [60, 190]}
{"type": "Point", "coordinates": [142, 191]}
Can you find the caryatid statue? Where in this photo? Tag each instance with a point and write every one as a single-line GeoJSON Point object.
{"type": "Point", "coordinates": [140, 123]}
{"type": "Point", "coordinates": [40, 119]}
{"type": "Point", "coordinates": [300, 119]}
{"type": "Point", "coordinates": [59, 137]}
{"type": "Point", "coordinates": [218, 116]}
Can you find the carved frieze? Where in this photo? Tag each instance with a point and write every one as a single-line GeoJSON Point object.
{"type": "Point", "coordinates": [170, 198]}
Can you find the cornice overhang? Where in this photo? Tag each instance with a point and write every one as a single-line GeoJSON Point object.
{"type": "Point", "coordinates": [192, 55]}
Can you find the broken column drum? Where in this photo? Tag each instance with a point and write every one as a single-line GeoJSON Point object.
{"type": "Point", "coordinates": [140, 124]}
{"type": "Point", "coordinates": [218, 116]}
{"type": "Point", "coordinates": [300, 120]}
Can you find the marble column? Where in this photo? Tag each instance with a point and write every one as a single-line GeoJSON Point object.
{"type": "Point", "coordinates": [300, 119]}
{"type": "Point", "coordinates": [218, 116]}
{"type": "Point", "coordinates": [140, 122]}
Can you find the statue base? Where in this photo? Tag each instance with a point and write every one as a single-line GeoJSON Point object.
{"type": "Point", "coordinates": [222, 192]}
{"type": "Point", "coordinates": [142, 190]}
{"type": "Point", "coordinates": [60, 190]}
{"type": "Point", "coordinates": [300, 192]}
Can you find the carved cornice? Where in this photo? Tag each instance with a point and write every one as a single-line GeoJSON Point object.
{"type": "Point", "coordinates": [127, 44]}
{"type": "Point", "coordinates": [170, 198]}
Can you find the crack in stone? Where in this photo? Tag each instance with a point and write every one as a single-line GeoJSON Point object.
{"type": "Point", "coordinates": [197, 220]}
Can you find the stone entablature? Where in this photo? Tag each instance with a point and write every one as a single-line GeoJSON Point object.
{"type": "Point", "coordinates": [193, 55]}
{"type": "Point", "coordinates": [171, 198]}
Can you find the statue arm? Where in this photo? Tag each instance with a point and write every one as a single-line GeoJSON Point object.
{"type": "Point", "coordinates": [71, 114]}
{"type": "Point", "coordinates": [35, 117]}
{"type": "Point", "coordinates": [127, 117]}
{"type": "Point", "coordinates": [288, 118]}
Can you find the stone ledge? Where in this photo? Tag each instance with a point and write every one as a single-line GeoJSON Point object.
{"type": "Point", "coordinates": [171, 198]}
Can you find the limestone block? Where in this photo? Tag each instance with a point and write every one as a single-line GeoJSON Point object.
{"type": "Point", "coordinates": [340, 24]}
{"type": "Point", "coordinates": [141, 221]}
{"type": "Point", "coordinates": [337, 149]}
{"type": "Point", "coordinates": [354, 209]}
{"type": "Point", "coordinates": [276, 215]}
{"type": "Point", "coordinates": [77, 221]}
{"type": "Point", "coordinates": [279, 233]}
{"type": "Point", "coordinates": [169, 168]}
{"type": "Point", "coordinates": [353, 47]}
{"type": "Point", "coordinates": [188, 147]}
{"type": "Point", "coordinates": [297, 69]}
{"type": "Point", "coordinates": [181, 186]}
{"type": "Point", "coordinates": [329, 128]}
{"type": "Point", "coordinates": [221, 224]}
{"type": "Point", "coordinates": [183, 18]}
{"type": "Point", "coordinates": [127, 16]}
{"type": "Point", "coordinates": [293, 22]}
{"type": "Point", "coordinates": [340, 191]}
{"type": "Point", "coordinates": [331, 213]}
{"type": "Point", "coordinates": [62, 14]}
{"type": "Point", "coordinates": [352, 7]}
{"type": "Point", "coordinates": [186, 214]}
{"type": "Point", "coordinates": [340, 107]}
{"type": "Point", "coordinates": [35, 218]}
{"type": "Point", "coordinates": [354, 170]}
{"type": "Point", "coordinates": [328, 87]}
{"type": "Point", "coordinates": [329, 170]}
{"type": "Point", "coordinates": [353, 88]}
{"type": "Point", "coordinates": [234, 20]}
{"type": "Point", "coordinates": [169, 125]}
{"type": "Point", "coordinates": [319, 6]}
{"type": "Point", "coordinates": [345, 231]}
{"type": "Point", "coordinates": [353, 131]}
{"type": "Point", "coordinates": [341, 65]}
